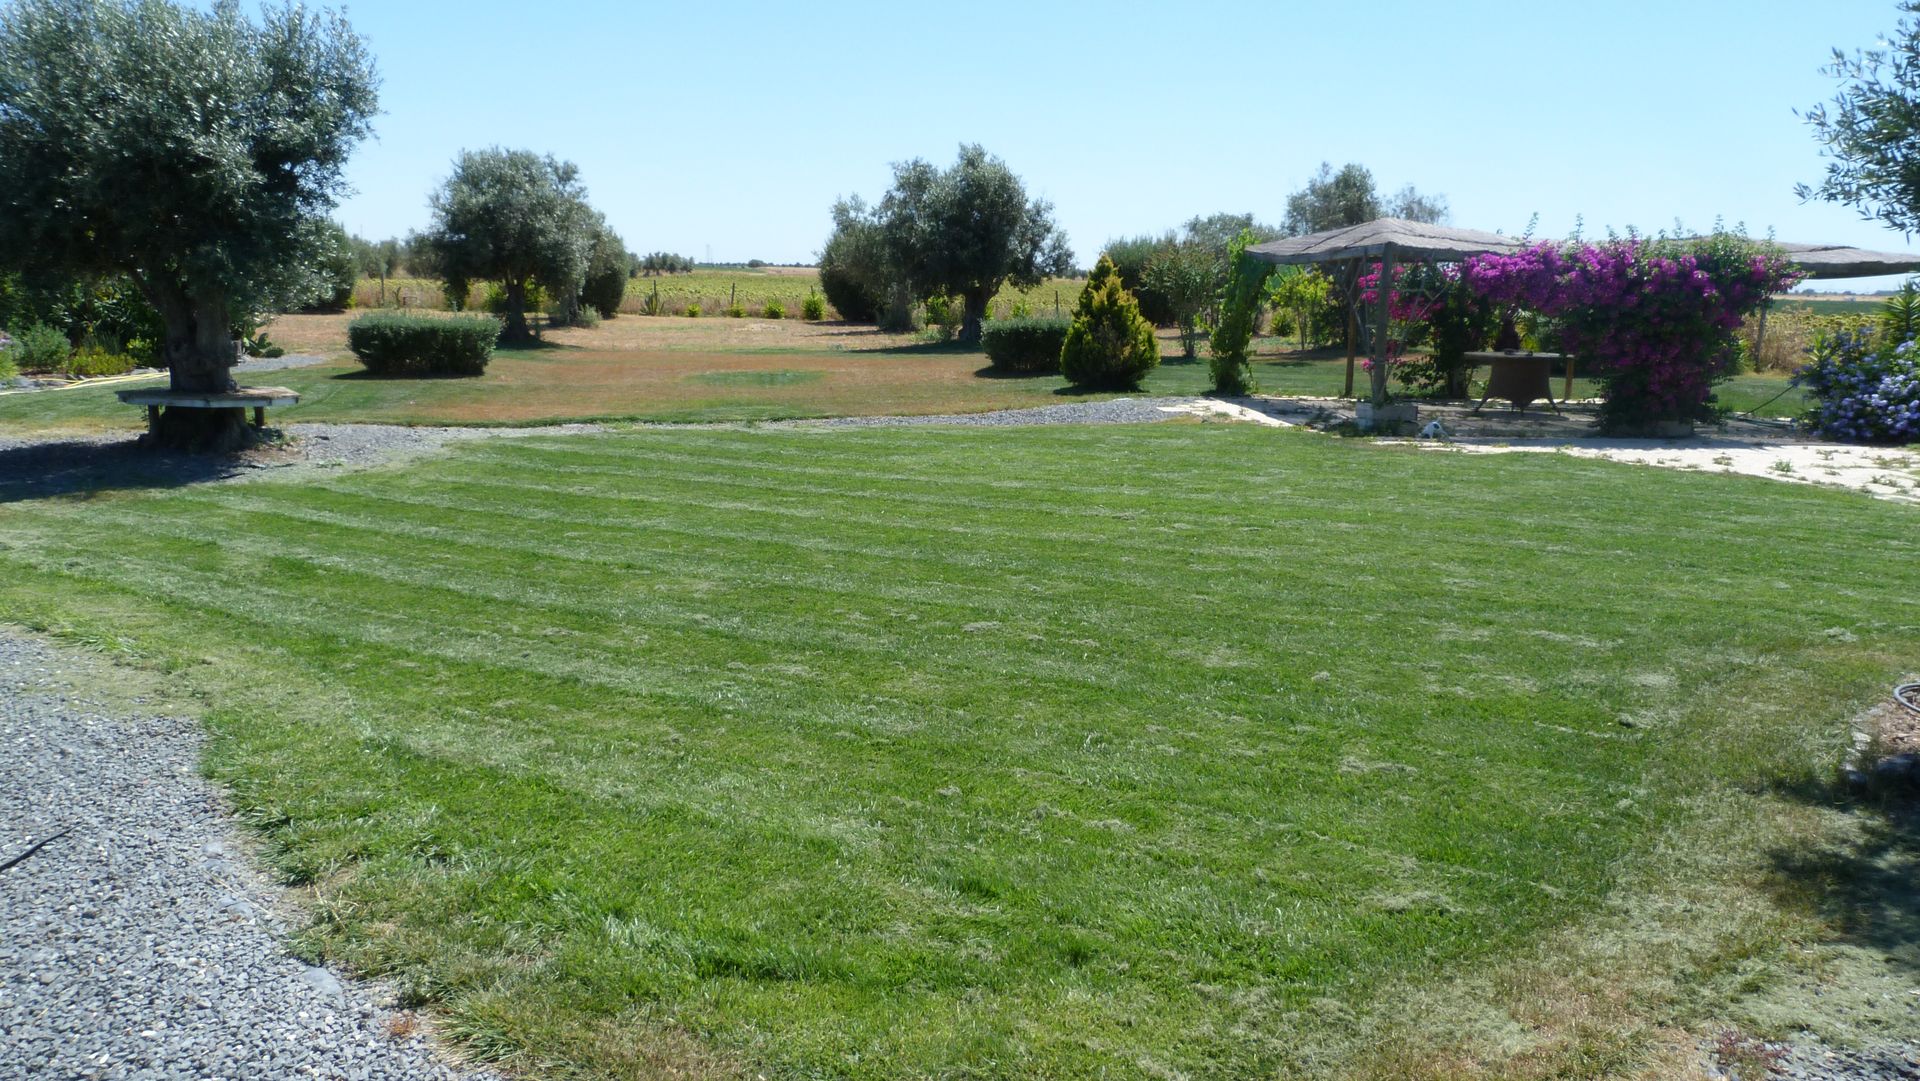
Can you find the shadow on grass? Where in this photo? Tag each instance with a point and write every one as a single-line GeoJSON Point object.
{"type": "Point", "coordinates": [1866, 891]}
{"type": "Point", "coordinates": [82, 468]}
{"type": "Point", "coordinates": [991, 372]}
{"type": "Point", "coordinates": [362, 375]}
{"type": "Point", "coordinates": [933, 349]}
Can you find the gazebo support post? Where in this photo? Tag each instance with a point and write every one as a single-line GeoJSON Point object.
{"type": "Point", "coordinates": [1760, 332]}
{"type": "Point", "coordinates": [1353, 336]}
{"type": "Point", "coordinates": [1383, 316]}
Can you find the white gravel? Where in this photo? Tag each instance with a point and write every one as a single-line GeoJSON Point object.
{"type": "Point", "coordinates": [139, 943]}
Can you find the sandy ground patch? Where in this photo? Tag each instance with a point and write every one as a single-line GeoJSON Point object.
{"type": "Point", "coordinates": [1878, 471]}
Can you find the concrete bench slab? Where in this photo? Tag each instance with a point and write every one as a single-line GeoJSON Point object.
{"type": "Point", "coordinates": [258, 399]}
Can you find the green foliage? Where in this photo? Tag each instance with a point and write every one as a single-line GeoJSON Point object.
{"type": "Point", "coordinates": [774, 310]}
{"type": "Point", "coordinates": [965, 231]}
{"type": "Point", "coordinates": [1239, 311]}
{"type": "Point", "coordinates": [693, 311]}
{"type": "Point", "coordinates": [1025, 344]}
{"type": "Point", "coordinates": [1300, 292]}
{"type": "Point", "coordinates": [38, 347]}
{"type": "Point", "coordinates": [1022, 309]}
{"type": "Point", "coordinates": [661, 262]}
{"type": "Point", "coordinates": [1130, 257]}
{"type": "Point", "coordinates": [1333, 200]}
{"type": "Point", "coordinates": [517, 219]}
{"type": "Point", "coordinates": [942, 311]}
{"type": "Point", "coordinates": [814, 308]}
{"type": "Point", "coordinates": [339, 270]}
{"type": "Point", "coordinates": [605, 285]}
{"type": "Point", "coordinates": [397, 344]}
{"type": "Point", "coordinates": [496, 301]}
{"type": "Point", "coordinates": [94, 362]}
{"type": "Point", "coordinates": [1187, 275]}
{"type": "Point", "coordinates": [736, 311]}
{"type": "Point", "coordinates": [1871, 129]}
{"type": "Point", "coordinates": [8, 369]}
{"type": "Point", "coordinates": [195, 147]}
{"type": "Point", "coordinates": [1460, 321]}
{"type": "Point", "coordinates": [1110, 346]}
{"type": "Point", "coordinates": [1900, 315]}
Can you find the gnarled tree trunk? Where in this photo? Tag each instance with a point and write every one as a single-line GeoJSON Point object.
{"type": "Point", "coordinates": [200, 359]}
{"type": "Point", "coordinates": [975, 301]}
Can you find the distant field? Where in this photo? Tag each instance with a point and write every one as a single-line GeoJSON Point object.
{"type": "Point", "coordinates": [1835, 305]}
{"type": "Point", "coordinates": [712, 290]}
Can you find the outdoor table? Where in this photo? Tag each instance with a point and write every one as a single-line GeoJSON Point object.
{"type": "Point", "coordinates": [1521, 378]}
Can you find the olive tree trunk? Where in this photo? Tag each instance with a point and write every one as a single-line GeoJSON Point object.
{"type": "Point", "coordinates": [975, 301]}
{"type": "Point", "coordinates": [200, 358]}
{"type": "Point", "coordinates": [516, 322]}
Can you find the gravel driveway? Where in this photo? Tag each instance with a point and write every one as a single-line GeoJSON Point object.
{"type": "Point", "coordinates": [138, 943]}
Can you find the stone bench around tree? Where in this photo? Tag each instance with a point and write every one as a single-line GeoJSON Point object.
{"type": "Point", "coordinates": [258, 399]}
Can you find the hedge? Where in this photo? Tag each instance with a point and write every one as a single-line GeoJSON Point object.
{"type": "Point", "coordinates": [1024, 345]}
{"type": "Point", "coordinates": [397, 344]}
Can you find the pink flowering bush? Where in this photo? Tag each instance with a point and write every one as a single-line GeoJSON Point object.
{"type": "Point", "coordinates": [1653, 320]}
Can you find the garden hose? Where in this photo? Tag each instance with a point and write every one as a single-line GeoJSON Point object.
{"type": "Point", "coordinates": [1749, 414]}
{"type": "Point", "coordinates": [1908, 695]}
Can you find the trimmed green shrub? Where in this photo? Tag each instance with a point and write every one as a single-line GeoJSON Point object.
{"type": "Point", "coordinates": [693, 311]}
{"type": "Point", "coordinates": [38, 347]}
{"type": "Point", "coordinates": [94, 363]}
{"type": "Point", "coordinates": [1110, 345]}
{"type": "Point", "coordinates": [849, 296]}
{"type": "Point", "coordinates": [814, 308]}
{"type": "Point", "coordinates": [774, 310]}
{"type": "Point", "coordinates": [1025, 345]}
{"type": "Point", "coordinates": [410, 345]}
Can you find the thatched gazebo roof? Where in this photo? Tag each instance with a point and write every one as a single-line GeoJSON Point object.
{"type": "Point", "coordinates": [1410, 241]}
{"type": "Point", "coordinates": [1841, 261]}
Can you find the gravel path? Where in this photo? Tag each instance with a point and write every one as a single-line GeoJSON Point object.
{"type": "Point", "coordinates": [139, 943]}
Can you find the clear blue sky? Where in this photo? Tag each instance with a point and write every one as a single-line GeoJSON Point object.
{"type": "Point", "coordinates": [730, 128]}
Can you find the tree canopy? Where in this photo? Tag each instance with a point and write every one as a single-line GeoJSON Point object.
{"type": "Point", "coordinates": [959, 231]}
{"type": "Point", "coordinates": [1872, 129]}
{"type": "Point", "coordinates": [196, 151]}
{"type": "Point", "coordinates": [516, 218]}
{"type": "Point", "coordinates": [1336, 200]}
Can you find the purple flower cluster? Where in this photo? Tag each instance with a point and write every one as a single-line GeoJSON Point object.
{"type": "Point", "coordinates": [1862, 394]}
{"type": "Point", "coordinates": [1654, 320]}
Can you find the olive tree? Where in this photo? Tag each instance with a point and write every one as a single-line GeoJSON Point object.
{"type": "Point", "coordinates": [967, 230]}
{"type": "Point", "coordinates": [196, 152]}
{"type": "Point", "coordinates": [516, 218]}
{"type": "Point", "coordinates": [1870, 129]}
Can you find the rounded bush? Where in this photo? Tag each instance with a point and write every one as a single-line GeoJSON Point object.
{"type": "Point", "coordinates": [39, 348]}
{"type": "Point", "coordinates": [1025, 345]}
{"type": "Point", "coordinates": [410, 345]}
{"type": "Point", "coordinates": [774, 310]}
{"type": "Point", "coordinates": [854, 302]}
{"type": "Point", "coordinates": [813, 309]}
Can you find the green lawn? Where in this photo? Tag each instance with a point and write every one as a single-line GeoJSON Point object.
{"type": "Point", "coordinates": [1178, 751]}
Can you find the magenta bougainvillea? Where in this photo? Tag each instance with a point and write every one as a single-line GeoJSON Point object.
{"type": "Point", "coordinates": [1653, 320]}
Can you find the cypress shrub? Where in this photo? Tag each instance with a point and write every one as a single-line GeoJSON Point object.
{"type": "Point", "coordinates": [1110, 345]}
{"type": "Point", "coordinates": [411, 345]}
{"type": "Point", "coordinates": [1025, 345]}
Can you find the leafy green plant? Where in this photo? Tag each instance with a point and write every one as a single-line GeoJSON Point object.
{"type": "Point", "coordinates": [393, 343]}
{"type": "Point", "coordinates": [1110, 345]}
{"type": "Point", "coordinates": [814, 308]}
{"type": "Point", "coordinates": [1025, 345]}
{"type": "Point", "coordinates": [736, 311]}
{"type": "Point", "coordinates": [693, 311]}
{"type": "Point", "coordinates": [1239, 311]}
{"type": "Point", "coordinates": [1900, 315]}
{"type": "Point", "coordinates": [1021, 310]}
{"type": "Point", "coordinates": [38, 347]}
{"type": "Point", "coordinates": [774, 310]}
{"type": "Point", "coordinates": [8, 369]}
{"type": "Point", "coordinates": [94, 363]}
